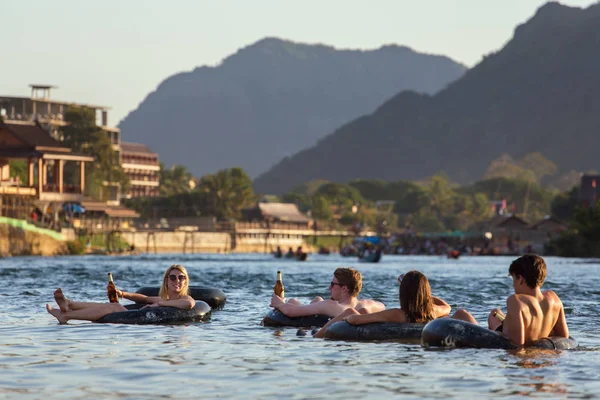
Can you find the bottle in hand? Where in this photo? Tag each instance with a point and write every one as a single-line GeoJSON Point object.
{"type": "Point", "coordinates": [499, 317]}
{"type": "Point", "coordinates": [278, 288]}
{"type": "Point", "coordinates": [111, 290]}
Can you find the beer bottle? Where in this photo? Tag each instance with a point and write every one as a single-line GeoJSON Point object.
{"type": "Point", "coordinates": [278, 288]}
{"type": "Point", "coordinates": [111, 290]}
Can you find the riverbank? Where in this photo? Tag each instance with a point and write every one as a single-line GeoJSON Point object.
{"type": "Point", "coordinates": [19, 238]}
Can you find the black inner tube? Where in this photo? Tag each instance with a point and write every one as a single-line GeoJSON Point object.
{"type": "Point", "coordinates": [137, 315]}
{"type": "Point", "coordinates": [377, 331]}
{"type": "Point", "coordinates": [277, 319]}
{"type": "Point", "coordinates": [448, 332]}
{"type": "Point", "coordinates": [215, 298]}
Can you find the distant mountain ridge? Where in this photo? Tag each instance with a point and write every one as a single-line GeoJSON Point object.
{"type": "Point", "coordinates": [272, 99]}
{"type": "Point", "coordinates": [540, 93]}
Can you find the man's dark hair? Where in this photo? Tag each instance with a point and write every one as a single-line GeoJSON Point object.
{"type": "Point", "coordinates": [531, 267]}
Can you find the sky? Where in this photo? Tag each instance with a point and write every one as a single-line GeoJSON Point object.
{"type": "Point", "coordinates": [115, 52]}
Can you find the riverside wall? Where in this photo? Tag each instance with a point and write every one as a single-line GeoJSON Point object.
{"type": "Point", "coordinates": [17, 237]}
{"type": "Point", "coordinates": [209, 242]}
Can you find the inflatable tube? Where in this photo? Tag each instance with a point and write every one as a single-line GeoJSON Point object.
{"type": "Point", "coordinates": [214, 297]}
{"type": "Point", "coordinates": [277, 318]}
{"type": "Point", "coordinates": [376, 331]}
{"type": "Point", "coordinates": [158, 315]}
{"type": "Point", "coordinates": [448, 332]}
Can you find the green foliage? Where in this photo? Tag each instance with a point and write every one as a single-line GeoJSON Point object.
{"type": "Point", "coordinates": [77, 246]}
{"type": "Point", "coordinates": [227, 192]}
{"type": "Point", "coordinates": [174, 180]}
{"type": "Point", "coordinates": [583, 239]}
{"type": "Point", "coordinates": [321, 209]}
{"type": "Point", "coordinates": [340, 195]}
{"type": "Point", "coordinates": [82, 135]}
{"type": "Point", "coordinates": [18, 168]}
{"type": "Point", "coordinates": [531, 200]}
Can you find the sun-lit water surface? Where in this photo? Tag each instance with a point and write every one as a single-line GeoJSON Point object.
{"type": "Point", "coordinates": [232, 356]}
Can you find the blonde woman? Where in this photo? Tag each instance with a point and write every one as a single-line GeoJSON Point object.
{"type": "Point", "coordinates": [173, 293]}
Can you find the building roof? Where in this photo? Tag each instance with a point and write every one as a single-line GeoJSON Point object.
{"type": "Point", "coordinates": [31, 134]}
{"type": "Point", "coordinates": [548, 221]}
{"type": "Point", "coordinates": [282, 211]}
{"type": "Point", "coordinates": [128, 147]}
{"type": "Point", "coordinates": [111, 211]}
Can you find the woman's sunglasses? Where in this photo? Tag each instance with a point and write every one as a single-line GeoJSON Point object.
{"type": "Point", "coordinates": [174, 277]}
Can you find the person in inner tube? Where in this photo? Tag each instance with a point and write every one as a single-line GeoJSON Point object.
{"type": "Point", "coordinates": [417, 305]}
{"type": "Point", "coordinates": [344, 288]}
{"type": "Point", "coordinates": [173, 292]}
{"type": "Point", "coordinates": [530, 313]}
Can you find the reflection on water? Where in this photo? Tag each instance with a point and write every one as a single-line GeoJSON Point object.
{"type": "Point", "coordinates": [233, 356]}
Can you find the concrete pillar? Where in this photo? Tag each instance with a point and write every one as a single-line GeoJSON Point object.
{"type": "Point", "coordinates": [82, 176]}
{"type": "Point", "coordinates": [40, 179]}
{"type": "Point", "coordinates": [61, 166]}
{"type": "Point", "coordinates": [30, 172]}
{"type": "Point", "coordinates": [44, 172]}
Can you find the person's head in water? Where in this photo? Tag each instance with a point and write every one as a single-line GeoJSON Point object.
{"type": "Point", "coordinates": [176, 277]}
{"type": "Point", "coordinates": [415, 297]}
{"type": "Point", "coordinates": [530, 267]}
{"type": "Point", "coordinates": [350, 278]}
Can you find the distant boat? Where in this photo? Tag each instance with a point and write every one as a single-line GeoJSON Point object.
{"type": "Point", "coordinates": [454, 254]}
{"type": "Point", "coordinates": [372, 258]}
{"type": "Point", "coordinates": [302, 257]}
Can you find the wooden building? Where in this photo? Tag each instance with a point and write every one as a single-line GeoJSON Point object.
{"type": "Point", "coordinates": [45, 158]}
{"type": "Point", "coordinates": [276, 215]}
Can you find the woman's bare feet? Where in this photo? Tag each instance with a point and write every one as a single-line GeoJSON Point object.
{"type": "Point", "coordinates": [57, 314]}
{"type": "Point", "coordinates": [61, 300]}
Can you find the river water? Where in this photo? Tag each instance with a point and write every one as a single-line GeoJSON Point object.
{"type": "Point", "coordinates": [233, 356]}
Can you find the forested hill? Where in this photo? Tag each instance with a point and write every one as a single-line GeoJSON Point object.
{"type": "Point", "coordinates": [272, 99]}
{"type": "Point", "coordinates": [540, 93]}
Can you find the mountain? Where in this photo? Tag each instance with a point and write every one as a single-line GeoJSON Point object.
{"type": "Point", "coordinates": [540, 93]}
{"type": "Point", "coordinates": [272, 99]}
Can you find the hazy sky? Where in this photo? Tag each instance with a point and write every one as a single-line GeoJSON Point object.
{"type": "Point", "coordinates": [115, 52]}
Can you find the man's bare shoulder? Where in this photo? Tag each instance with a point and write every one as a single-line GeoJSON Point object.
{"type": "Point", "coordinates": [371, 305]}
{"type": "Point", "coordinates": [551, 297]}
{"type": "Point", "coordinates": [517, 301]}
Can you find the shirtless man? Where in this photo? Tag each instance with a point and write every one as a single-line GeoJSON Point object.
{"type": "Point", "coordinates": [344, 289]}
{"type": "Point", "coordinates": [530, 313]}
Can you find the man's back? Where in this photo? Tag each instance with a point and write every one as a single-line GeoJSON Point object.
{"type": "Point", "coordinates": [541, 317]}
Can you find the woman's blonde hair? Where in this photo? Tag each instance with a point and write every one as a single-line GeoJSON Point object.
{"type": "Point", "coordinates": [164, 293]}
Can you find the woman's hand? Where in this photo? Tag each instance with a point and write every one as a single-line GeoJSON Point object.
{"type": "Point", "coordinates": [351, 319]}
{"type": "Point", "coordinates": [276, 301]}
{"type": "Point", "coordinates": [150, 305]}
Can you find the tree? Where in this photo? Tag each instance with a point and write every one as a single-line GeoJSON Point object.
{"type": "Point", "coordinates": [174, 180]}
{"type": "Point", "coordinates": [321, 209]}
{"type": "Point", "coordinates": [227, 192]}
{"type": "Point", "coordinates": [539, 165]}
{"type": "Point", "coordinates": [82, 135]}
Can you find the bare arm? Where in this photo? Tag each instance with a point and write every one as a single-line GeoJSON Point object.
{"type": "Point", "coordinates": [560, 328]}
{"type": "Point", "coordinates": [514, 326]}
{"type": "Point", "coordinates": [389, 315]}
{"type": "Point", "coordinates": [184, 303]}
{"type": "Point", "coordinates": [138, 297]}
{"type": "Point", "coordinates": [440, 307]}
